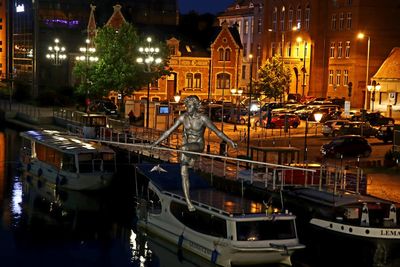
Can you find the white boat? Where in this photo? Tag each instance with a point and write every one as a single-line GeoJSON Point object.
{"type": "Point", "coordinates": [358, 222]}
{"type": "Point", "coordinates": [67, 161]}
{"type": "Point", "coordinates": [225, 229]}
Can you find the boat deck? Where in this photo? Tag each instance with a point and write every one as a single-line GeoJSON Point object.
{"type": "Point", "coordinates": [167, 178]}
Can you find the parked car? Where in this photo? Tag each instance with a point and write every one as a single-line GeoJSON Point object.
{"type": "Point", "coordinates": [374, 118]}
{"type": "Point", "coordinates": [356, 128]}
{"type": "Point", "coordinates": [347, 146]}
{"type": "Point", "coordinates": [104, 106]}
{"type": "Point", "coordinates": [278, 120]}
{"type": "Point", "coordinates": [385, 133]}
{"type": "Point", "coordinates": [330, 126]}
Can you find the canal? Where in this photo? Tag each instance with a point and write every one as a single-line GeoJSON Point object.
{"type": "Point", "coordinates": [43, 227]}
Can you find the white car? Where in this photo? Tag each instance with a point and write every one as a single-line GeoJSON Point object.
{"type": "Point", "coordinates": [329, 127]}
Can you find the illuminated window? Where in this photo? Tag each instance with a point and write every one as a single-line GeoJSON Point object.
{"type": "Point", "coordinates": [333, 22]}
{"type": "Point", "coordinates": [197, 80]}
{"type": "Point", "coordinates": [347, 52]}
{"type": "Point", "coordinates": [338, 77]}
{"type": "Point", "coordinates": [189, 80]}
{"type": "Point", "coordinates": [332, 50]}
{"type": "Point", "coordinates": [330, 77]}
{"type": "Point", "coordinates": [223, 81]}
{"type": "Point", "coordinates": [339, 50]}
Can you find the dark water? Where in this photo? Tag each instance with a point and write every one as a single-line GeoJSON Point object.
{"type": "Point", "coordinates": [40, 226]}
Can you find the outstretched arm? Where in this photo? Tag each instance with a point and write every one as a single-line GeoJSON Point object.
{"type": "Point", "coordinates": [219, 133]}
{"type": "Point", "coordinates": [169, 131]}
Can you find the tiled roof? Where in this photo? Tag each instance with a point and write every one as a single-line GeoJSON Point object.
{"type": "Point", "coordinates": [390, 69]}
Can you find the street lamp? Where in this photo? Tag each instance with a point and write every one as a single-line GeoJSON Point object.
{"type": "Point", "coordinates": [248, 111]}
{"type": "Point", "coordinates": [303, 69]}
{"type": "Point", "coordinates": [361, 36]}
{"type": "Point", "coordinates": [238, 93]}
{"type": "Point", "coordinates": [375, 87]}
{"type": "Point", "coordinates": [317, 118]}
{"type": "Point", "coordinates": [56, 53]}
{"type": "Point", "coordinates": [87, 57]}
{"type": "Point", "coordinates": [149, 52]}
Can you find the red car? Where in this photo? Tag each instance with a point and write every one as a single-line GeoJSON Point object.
{"type": "Point", "coordinates": [279, 121]}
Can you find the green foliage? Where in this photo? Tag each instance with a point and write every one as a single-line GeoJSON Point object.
{"type": "Point", "coordinates": [273, 78]}
{"type": "Point", "coordinates": [117, 69]}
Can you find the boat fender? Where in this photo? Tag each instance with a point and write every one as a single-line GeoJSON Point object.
{"type": "Point", "coordinates": [180, 240]}
{"type": "Point", "coordinates": [40, 172]}
{"type": "Point", "coordinates": [29, 167]}
{"type": "Point", "coordinates": [214, 256]}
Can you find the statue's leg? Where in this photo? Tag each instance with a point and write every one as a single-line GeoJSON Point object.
{"type": "Point", "coordinates": [185, 186]}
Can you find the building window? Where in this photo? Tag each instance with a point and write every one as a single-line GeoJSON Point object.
{"type": "Point", "coordinates": [273, 48]}
{"type": "Point", "coordinates": [239, 27]}
{"type": "Point", "coordinates": [347, 53]}
{"type": "Point", "coordinates": [197, 80]}
{"type": "Point", "coordinates": [246, 27]}
{"type": "Point", "coordinates": [221, 54]}
{"type": "Point", "coordinates": [189, 80]}
{"type": "Point", "coordinates": [283, 19]}
{"type": "Point", "coordinates": [289, 49]}
{"type": "Point", "coordinates": [349, 2]}
{"type": "Point", "coordinates": [349, 21]}
{"type": "Point", "coordinates": [223, 81]}
{"type": "Point", "coordinates": [258, 50]}
{"type": "Point", "coordinates": [259, 26]}
{"type": "Point", "coordinates": [172, 50]}
{"type": "Point", "coordinates": [332, 50]}
{"type": "Point", "coordinates": [339, 50]}
{"type": "Point", "coordinates": [333, 22]}
{"type": "Point", "coordinates": [307, 15]}
{"type": "Point", "coordinates": [243, 72]}
{"type": "Point", "coordinates": [345, 77]}
{"type": "Point", "coordinates": [244, 49]}
{"type": "Point", "coordinates": [338, 77]}
{"type": "Point", "coordinates": [274, 18]}
{"type": "Point", "coordinates": [290, 18]}
{"type": "Point", "coordinates": [297, 49]}
{"type": "Point", "coordinates": [227, 55]}
{"type": "Point", "coordinates": [298, 17]}
{"type": "Point", "coordinates": [341, 21]}
{"type": "Point", "coordinates": [330, 77]}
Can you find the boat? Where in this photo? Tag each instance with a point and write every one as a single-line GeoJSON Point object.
{"type": "Point", "coordinates": [225, 229]}
{"type": "Point", "coordinates": [364, 226]}
{"type": "Point", "coordinates": [67, 161]}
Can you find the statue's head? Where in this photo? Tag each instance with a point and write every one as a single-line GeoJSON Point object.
{"type": "Point", "coordinates": [193, 99]}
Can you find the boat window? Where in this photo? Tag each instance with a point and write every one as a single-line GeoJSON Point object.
{"type": "Point", "coordinates": [108, 162]}
{"type": "Point", "coordinates": [265, 230]}
{"type": "Point", "coordinates": [199, 221]}
{"type": "Point", "coordinates": [68, 163]}
{"type": "Point", "coordinates": [85, 162]}
{"type": "Point", "coordinates": [48, 155]}
{"type": "Point", "coordinates": [154, 202]}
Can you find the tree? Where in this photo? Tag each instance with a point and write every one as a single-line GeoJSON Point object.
{"type": "Point", "coordinates": [116, 68]}
{"type": "Point", "coordinates": [273, 78]}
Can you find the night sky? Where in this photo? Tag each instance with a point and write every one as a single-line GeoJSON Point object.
{"type": "Point", "coordinates": [204, 6]}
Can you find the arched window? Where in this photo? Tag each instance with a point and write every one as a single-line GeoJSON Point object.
{"type": "Point", "coordinates": [189, 80]}
{"type": "Point", "coordinates": [197, 80]}
{"type": "Point", "coordinates": [227, 54]}
{"type": "Point", "coordinates": [221, 54]}
{"type": "Point", "coordinates": [223, 81]}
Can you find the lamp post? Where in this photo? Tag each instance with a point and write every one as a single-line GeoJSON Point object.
{"type": "Point", "coordinates": [361, 36]}
{"type": "Point", "coordinates": [375, 87]}
{"type": "Point", "coordinates": [149, 52]}
{"type": "Point", "coordinates": [56, 53]}
{"type": "Point", "coordinates": [87, 57]}
{"type": "Point", "coordinates": [317, 117]}
{"type": "Point", "coordinates": [237, 93]}
{"type": "Point", "coordinates": [303, 69]}
{"type": "Point", "coordinates": [305, 142]}
{"type": "Point", "coordinates": [250, 96]}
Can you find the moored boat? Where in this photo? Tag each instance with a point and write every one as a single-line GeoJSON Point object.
{"type": "Point", "coordinates": [366, 227]}
{"type": "Point", "coordinates": [66, 161]}
{"type": "Point", "coordinates": [225, 229]}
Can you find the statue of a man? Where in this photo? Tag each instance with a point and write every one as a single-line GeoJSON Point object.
{"type": "Point", "coordinates": [194, 125]}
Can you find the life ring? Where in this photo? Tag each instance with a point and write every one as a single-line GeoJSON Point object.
{"type": "Point", "coordinates": [40, 172]}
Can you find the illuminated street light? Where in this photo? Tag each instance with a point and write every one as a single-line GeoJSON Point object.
{"type": "Point", "coordinates": [317, 117]}
{"type": "Point", "coordinates": [87, 57]}
{"type": "Point", "coordinates": [375, 87]}
{"type": "Point", "coordinates": [361, 36]}
{"type": "Point", "coordinates": [150, 60]}
{"type": "Point", "coordinates": [56, 53]}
